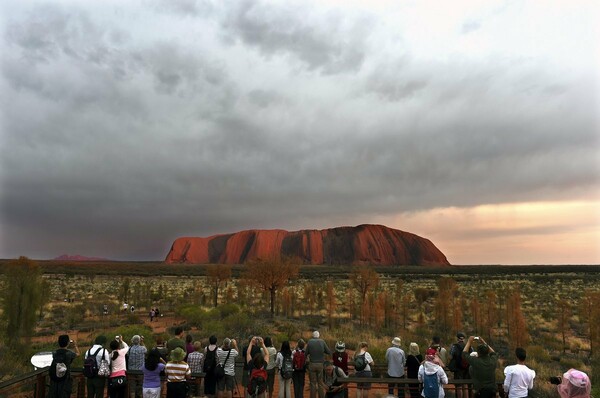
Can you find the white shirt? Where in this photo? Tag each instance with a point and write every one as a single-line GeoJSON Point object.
{"type": "Point", "coordinates": [518, 380]}
{"type": "Point", "coordinates": [102, 354]}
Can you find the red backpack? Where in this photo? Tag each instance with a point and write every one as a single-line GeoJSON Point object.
{"type": "Point", "coordinates": [258, 382]}
{"type": "Point", "coordinates": [299, 362]}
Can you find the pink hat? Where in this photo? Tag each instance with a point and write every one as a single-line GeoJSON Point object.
{"type": "Point", "coordinates": [575, 384]}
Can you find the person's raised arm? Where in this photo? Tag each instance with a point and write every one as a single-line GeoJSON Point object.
{"type": "Point", "coordinates": [468, 345]}
{"type": "Point", "coordinates": [75, 348]}
{"type": "Point", "coordinates": [249, 350]}
{"type": "Point", "coordinates": [264, 348]}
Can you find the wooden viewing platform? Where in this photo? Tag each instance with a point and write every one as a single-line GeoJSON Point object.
{"type": "Point", "coordinates": [35, 385]}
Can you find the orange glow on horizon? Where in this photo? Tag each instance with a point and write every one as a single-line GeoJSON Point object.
{"type": "Point", "coordinates": [514, 233]}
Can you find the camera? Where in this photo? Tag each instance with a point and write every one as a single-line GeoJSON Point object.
{"type": "Point", "coordinates": [476, 338]}
{"type": "Point", "coordinates": [555, 380]}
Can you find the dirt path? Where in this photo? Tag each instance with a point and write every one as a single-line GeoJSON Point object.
{"type": "Point", "coordinates": [160, 325]}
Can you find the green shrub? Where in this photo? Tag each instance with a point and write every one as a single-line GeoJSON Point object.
{"type": "Point", "coordinates": [538, 352]}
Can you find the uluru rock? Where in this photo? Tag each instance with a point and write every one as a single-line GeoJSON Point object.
{"type": "Point", "coordinates": [364, 244]}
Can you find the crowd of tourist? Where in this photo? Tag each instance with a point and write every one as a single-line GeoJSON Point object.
{"type": "Point", "coordinates": [138, 370]}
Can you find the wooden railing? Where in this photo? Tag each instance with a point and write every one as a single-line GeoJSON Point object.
{"type": "Point", "coordinates": [35, 384]}
{"type": "Point", "coordinates": [382, 383]}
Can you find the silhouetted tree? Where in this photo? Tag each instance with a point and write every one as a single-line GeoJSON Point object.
{"type": "Point", "coordinates": [447, 289]}
{"type": "Point", "coordinates": [271, 275]}
{"type": "Point", "coordinates": [364, 279]}
{"type": "Point", "coordinates": [218, 275]}
{"type": "Point", "coordinates": [331, 303]}
{"type": "Point", "coordinates": [564, 315]}
{"type": "Point", "coordinates": [517, 330]}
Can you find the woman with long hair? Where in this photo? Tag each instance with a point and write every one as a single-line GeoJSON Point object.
{"type": "Point", "coordinates": [210, 362]}
{"type": "Point", "coordinates": [271, 369]}
{"type": "Point", "coordinates": [152, 368]}
{"type": "Point", "coordinates": [117, 381]}
{"type": "Point", "coordinates": [285, 366]}
{"type": "Point", "coordinates": [413, 361]}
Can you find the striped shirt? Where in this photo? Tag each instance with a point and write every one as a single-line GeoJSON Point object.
{"type": "Point", "coordinates": [196, 360]}
{"type": "Point", "coordinates": [177, 371]}
{"type": "Point", "coordinates": [230, 365]}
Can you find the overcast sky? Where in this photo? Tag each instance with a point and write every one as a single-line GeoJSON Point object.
{"type": "Point", "coordinates": [126, 124]}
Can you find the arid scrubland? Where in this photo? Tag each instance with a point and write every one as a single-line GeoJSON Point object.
{"type": "Point", "coordinates": [551, 311]}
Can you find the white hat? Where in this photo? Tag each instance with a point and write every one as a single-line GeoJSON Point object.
{"type": "Point", "coordinates": [397, 341]}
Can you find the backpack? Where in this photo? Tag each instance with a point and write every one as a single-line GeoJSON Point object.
{"type": "Point", "coordinates": [457, 362]}
{"type": "Point", "coordinates": [299, 360]}
{"type": "Point", "coordinates": [360, 363]}
{"type": "Point", "coordinates": [258, 382]}
{"type": "Point", "coordinates": [59, 370]}
{"type": "Point", "coordinates": [431, 385]}
{"type": "Point", "coordinates": [90, 365]}
{"type": "Point", "coordinates": [210, 362]}
{"type": "Point", "coordinates": [287, 367]}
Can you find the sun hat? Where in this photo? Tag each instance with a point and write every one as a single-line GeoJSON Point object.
{"type": "Point", "coordinates": [177, 354]}
{"type": "Point", "coordinates": [397, 341]}
{"type": "Point", "coordinates": [575, 384]}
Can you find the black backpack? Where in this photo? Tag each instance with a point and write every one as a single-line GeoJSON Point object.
{"type": "Point", "coordinates": [210, 362]}
{"type": "Point", "coordinates": [90, 365]}
{"type": "Point", "coordinates": [360, 362]}
{"type": "Point", "coordinates": [457, 362]}
{"type": "Point", "coordinates": [59, 370]}
{"type": "Point", "coordinates": [287, 367]}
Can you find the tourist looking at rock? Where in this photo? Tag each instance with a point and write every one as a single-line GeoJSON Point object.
{"type": "Point", "coordinates": [363, 362]}
{"type": "Point", "coordinates": [316, 349]}
{"type": "Point", "coordinates": [300, 363]}
{"type": "Point", "coordinates": [96, 385]}
{"type": "Point", "coordinates": [135, 361]}
{"type": "Point", "coordinates": [413, 362]}
{"type": "Point", "coordinates": [518, 379]}
{"type": "Point", "coordinates": [396, 361]}
{"type": "Point", "coordinates": [483, 367]}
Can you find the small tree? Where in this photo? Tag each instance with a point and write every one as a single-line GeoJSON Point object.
{"type": "Point", "coordinates": [364, 279]}
{"type": "Point", "coordinates": [564, 315]}
{"type": "Point", "coordinates": [270, 275]}
{"type": "Point", "coordinates": [218, 275]}
{"type": "Point", "coordinates": [518, 336]}
{"type": "Point", "coordinates": [21, 300]}
{"type": "Point", "coordinates": [331, 304]}
{"type": "Point", "coordinates": [447, 289]}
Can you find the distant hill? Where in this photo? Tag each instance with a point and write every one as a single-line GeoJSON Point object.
{"type": "Point", "coordinates": [364, 244]}
{"type": "Point", "coordinates": [78, 257]}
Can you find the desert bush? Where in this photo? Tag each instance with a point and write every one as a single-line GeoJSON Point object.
{"type": "Point", "coordinates": [539, 353]}
{"type": "Point", "coordinates": [226, 310]}
{"type": "Point", "coordinates": [129, 331]}
{"type": "Point", "coordinates": [237, 324]}
{"type": "Point", "coordinates": [569, 362]}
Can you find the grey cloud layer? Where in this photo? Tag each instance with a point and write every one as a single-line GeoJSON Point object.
{"type": "Point", "coordinates": [279, 116]}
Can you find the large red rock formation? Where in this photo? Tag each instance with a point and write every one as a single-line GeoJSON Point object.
{"type": "Point", "coordinates": [364, 244]}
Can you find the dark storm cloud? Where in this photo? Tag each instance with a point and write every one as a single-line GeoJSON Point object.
{"type": "Point", "coordinates": [115, 142]}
